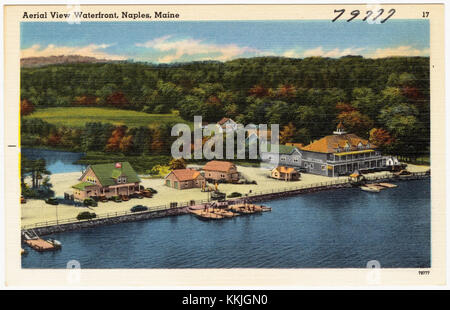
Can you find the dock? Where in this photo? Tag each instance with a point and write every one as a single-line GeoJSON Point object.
{"type": "Point", "coordinates": [206, 214]}
{"type": "Point", "coordinates": [215, 212]}
{"type": "Point", "coordinates": [38, 244]}
{"type": "Point", "coordinates": [41, 245]}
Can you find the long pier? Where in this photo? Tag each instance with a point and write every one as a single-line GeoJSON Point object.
{"type": "Point", "coordinates": [52, 227]}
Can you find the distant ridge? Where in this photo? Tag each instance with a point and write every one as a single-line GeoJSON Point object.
{"type": "Point", "coordinates": [62, 59]}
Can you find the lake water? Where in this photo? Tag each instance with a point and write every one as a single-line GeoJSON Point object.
{"type": "Point", "coordinates": [342, 228]}
{"type": "Point", "coordinates": [57, 161]}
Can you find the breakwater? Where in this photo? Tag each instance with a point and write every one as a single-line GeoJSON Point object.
{"type": "Point", "coordinates": [58, 228]}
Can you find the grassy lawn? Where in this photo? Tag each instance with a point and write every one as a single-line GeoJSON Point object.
{"type": "Point", "coordinates": [78, 116]}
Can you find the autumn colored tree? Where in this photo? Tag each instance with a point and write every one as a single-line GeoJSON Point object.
{"type": "Point", "coordinates": [380, 137]}
{"type": "Point", "coordinates": [26, 107]}
{"type": "Point", "coordinates": [179, 163]}
{"type": "Point", "coordinates": [117, 99]}
{"type": "Point", "coordinates": [287, 134]}
{"type": "Point", "coordinates": [356, 122]}
{"type": "Point", "coordinates": [258, 91]}
{"type": "Point", "coordinates": [286, 91]}
{"type": "Point", "coordinates": [85, 100]}
{"type": "Point", "coordinates": [126, 143]}
{"type": "Point", "coordinates": [54, 139]}
{"type": "Point", "coordinates": [411, 92]}
{"type": "Point", "coordinates": [115, 140]}
{"type": "Point", "coordinates": [345, 107]}
{"type": "Point", "coordinates": [157, 144]}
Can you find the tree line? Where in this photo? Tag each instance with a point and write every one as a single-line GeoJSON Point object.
{"type": "Point", "coordinates": [384, 100]}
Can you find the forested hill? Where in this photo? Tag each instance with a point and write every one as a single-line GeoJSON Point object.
{"type": "Point", "coordinates": [307, 95]}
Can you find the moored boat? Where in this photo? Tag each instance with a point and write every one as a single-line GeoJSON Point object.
{"type": "Point", "coordinates": [388, 185]}
{"type": "Point", "coordinates": [370, 189]}
{"type": "Point", "coordinates": [56, 244]}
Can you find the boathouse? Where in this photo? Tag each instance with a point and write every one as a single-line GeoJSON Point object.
{"type": "Point", "coordinates": [340, 154]}
{"type": "Point", "coordinates": [221, 171]}
{"type": "Point", "coordinates": [285, 173]}
{"type": "Point", "coordinates": [184, 178]}
{"type": "Point", "coordinates": [107, 180]}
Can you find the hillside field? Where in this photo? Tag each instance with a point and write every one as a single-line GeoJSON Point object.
{"type": "Point", "coordinates": [78, 116]}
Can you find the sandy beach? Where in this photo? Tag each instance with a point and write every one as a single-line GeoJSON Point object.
{"type": "Point", "coordinates": [37, 211]}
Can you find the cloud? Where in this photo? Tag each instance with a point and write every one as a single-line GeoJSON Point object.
{"type": "Point", "coordinates": [196, 49]}
{"type": "Point", "coordinates": [334, 53]}
{"type": "Point", "coordinates": [292, 54]}
{"type": "Point", "coordinates": [91, 50]}
{"type": "Point", "coordinates": [404, 50]}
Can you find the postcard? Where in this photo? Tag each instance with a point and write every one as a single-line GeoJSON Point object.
{"type": "Point", "coordinates": [225, 145]}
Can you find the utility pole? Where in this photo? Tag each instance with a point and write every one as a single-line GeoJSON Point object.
{"type": "Point", "coordinates": [56, 214]}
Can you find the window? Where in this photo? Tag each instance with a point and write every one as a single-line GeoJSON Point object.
{"type": "Point", "coordinates": [306, 165]}
{"type": "Point", "coordinates": [311, 165]}
{"type": "Point", "coordinates": [324, 167]}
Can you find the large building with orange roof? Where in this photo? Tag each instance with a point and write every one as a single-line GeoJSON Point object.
{"type": "Point", "coordinates": [341, 153]}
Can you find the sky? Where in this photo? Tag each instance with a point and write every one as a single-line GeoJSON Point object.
{"type": "Point", "coordinates": [169, 42]}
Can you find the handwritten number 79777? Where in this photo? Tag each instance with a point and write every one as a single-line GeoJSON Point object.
{"type": "Point", "coordinates": [370, 15]}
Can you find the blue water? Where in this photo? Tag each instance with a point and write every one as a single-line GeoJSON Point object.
{"type": "Point", "coordinates": [336, 229]}
{"type": "Point", "coordinates": [57, 161]}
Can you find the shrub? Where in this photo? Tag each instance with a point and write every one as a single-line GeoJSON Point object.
{"type": "Point", "coordinates": [86, 215]}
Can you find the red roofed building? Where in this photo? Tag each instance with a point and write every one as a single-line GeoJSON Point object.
{"type": "Point", "coordinates": [184, 178]}
{"type": "Point", "coordinates": [218, 170]}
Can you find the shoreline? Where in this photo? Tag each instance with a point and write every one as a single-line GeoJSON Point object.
{"type": "Point", "coordinates": [164, 211]}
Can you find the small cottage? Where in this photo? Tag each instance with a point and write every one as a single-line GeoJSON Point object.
{"type": "Point", "coordinates": [184, 178]}
{"type": "Point", "coordinates": [285, 173]}
{"type": "Point", "coordinates": [221, 171]}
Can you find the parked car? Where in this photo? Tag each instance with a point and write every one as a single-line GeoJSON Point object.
{"type": "Point", "coordinates": [138, 208]}
{"type": "Point", "coordinates": [152, 190]}
{"type": "Point", "coordinates": [147, 193]}
{"type": "Point", "coordinates": [103, 199]}
{"type": "Point", "coordinates": [90, 202]}
{"type": "Point", "coordinates": [136, 196]}
{"type": "Point", "coordinates": [116, 199]}
{"type": "Point", "coordinates": [52, 201]}
{"type": "Point", "coordinates": [86, 215]}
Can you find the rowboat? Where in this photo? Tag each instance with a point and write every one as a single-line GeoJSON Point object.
{"type": "Point", "coordinates": [370, 189]}
{"type": "Point", "coordinates": [388, 185]}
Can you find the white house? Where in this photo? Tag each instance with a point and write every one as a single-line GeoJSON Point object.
{"type": "Point", "coordinates": [227, 124]}
{"type": "Point", "coordinates": [286, 156]}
